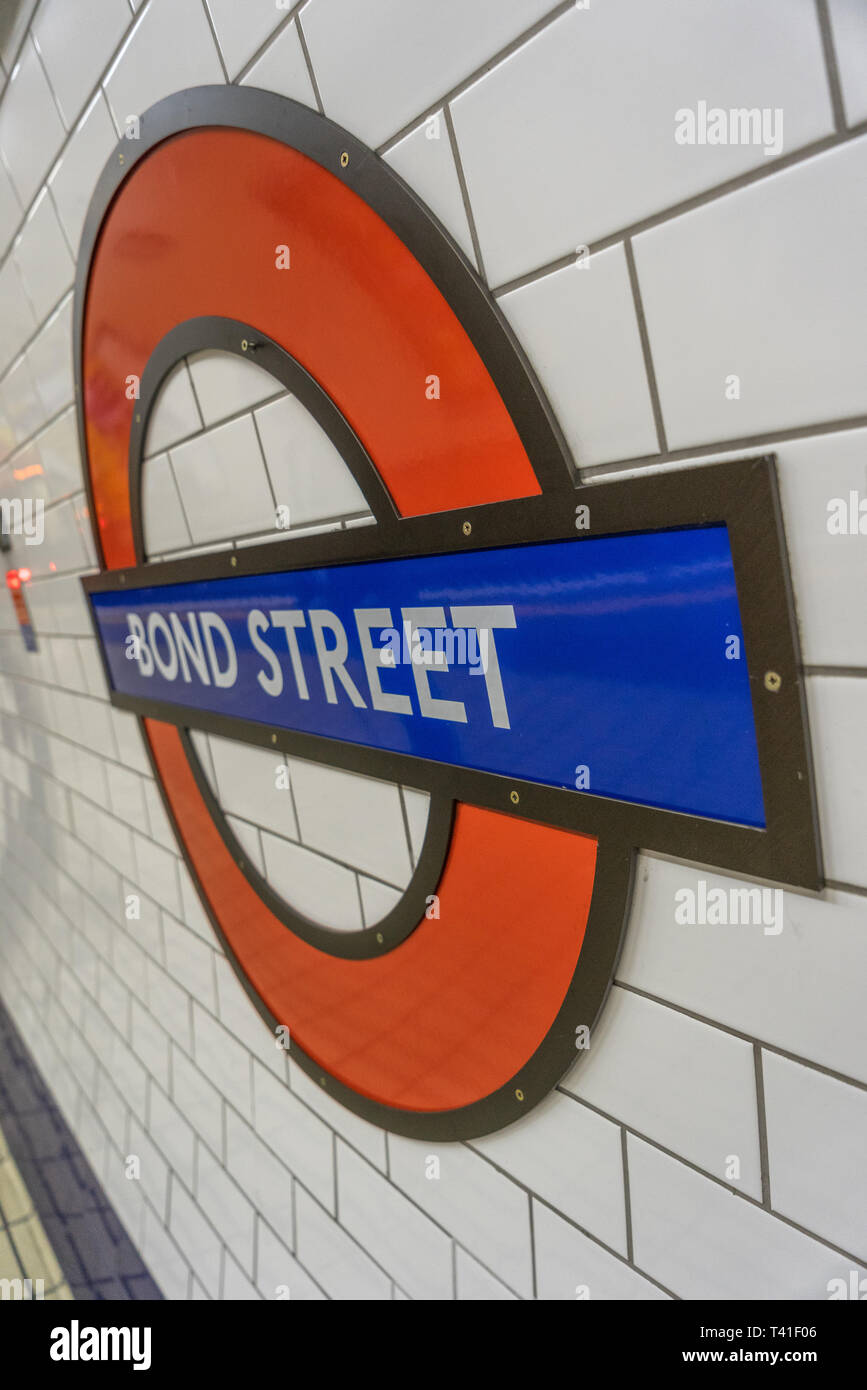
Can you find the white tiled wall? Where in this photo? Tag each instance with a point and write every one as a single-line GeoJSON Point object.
{"type": "Point", "coordinates": [713, 1142]}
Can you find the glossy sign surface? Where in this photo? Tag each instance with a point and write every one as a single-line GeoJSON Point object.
{"type": "Point", "coordinates": [527, 661]}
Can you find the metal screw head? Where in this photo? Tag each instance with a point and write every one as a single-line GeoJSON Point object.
{"type": "Point", "coordinates": [273, 738]}
{"type": "Point", "coordinates": [467, 528]}
{"type": "Point", "coordinates": [344, 159]}
{"type": "Point", "coordinates": [122, 578]}
{"type": "Point", "coordinates": [514, 798]}
{"type": "Point", "coordinates": [379, 937]}
{"type": "Point", "coordinates": [138, 419]}
{"type": "Point", "coordinates": [773, 681]}
{"type": "Point", "coordinates": [519, 1094]}
{"type": "Point", "coordinates": [244, 344]}
{"type": "Point", "coordinates": [120, 159]}
{"type": "Point", "coordinates": [233, 560]}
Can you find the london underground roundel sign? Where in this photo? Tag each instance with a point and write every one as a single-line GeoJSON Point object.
{"type": "Point", "coordinates": [572, 672]}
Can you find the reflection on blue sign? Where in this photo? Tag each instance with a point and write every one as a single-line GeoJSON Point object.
{"type": "Point", "coordinates": [602, 665]}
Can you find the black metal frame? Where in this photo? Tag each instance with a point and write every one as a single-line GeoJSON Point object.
{"type": "Point", "coordinates": [741, 495]}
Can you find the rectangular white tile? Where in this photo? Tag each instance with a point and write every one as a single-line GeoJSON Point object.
{"type": "Point", "coordinates": [295, 1133]}
{"type": "Point", "coordinates": [163, 523]}
{"type": "Point", "coordinates": [150, 1044]}
{"type": "Point", "coordinates": [31, 131]}
{"type": "Point", "coordinates": [253, 783]}
{"type": "Point", "coordinates": [359, 1134]}
{"type": "Point", "coordinates": [197, 1239]}
{"type": "Point", "coordinates": [376, 76]}
{"type": "Point", "coordinates": [190, 961]}
{"type": "Point", "coordinates": [283, 68]}
{"type": "Point", "coordinates": [224, 1059]}
{"type": "Point", "coordinates": [175, 413]}
{"type": "Point", "coordinates": [473, 1283]}
{"type": "Point", "coordinates": [73, 179]}
{"type": "Point", "coordinates": [172, 1135]}
{"type": "Point", "coordinates": [75, 42]}
{"type": "Point", "coordinates": [277, 1270]}
{"type": "Point", "coordinates": [767, 315]}
{"type": "Point", "coordinates": [49, 358]}
{"type": "Point", "coordinates": [579, 329]}
{"type": "Point", "coordinates": [690, 1087]}
{"type": "Point", "coordinates": [480, 1207]}
{"type": "Point", "coordinates": [425, 159]}
{"type": "Point", "coordinates": [315, 886]}
{"type": "Point", "coordinates": [198, 1099]}
{"type": "Point", "coordinates": [222, 481]}
{"type": "Point", "coordinates": [266, 1181]}
{"type": "Point", "coordinates": [170, 1005]}
{"type": "Point", "coordinates": [798, 991]}
{"type": "Point", "coordinates": [10, 209]}
{"type": "Point", "coordinates": [415, 1252]}
{"type": "Point", "coordinates": [225, 384]}
{"type": "Point", "coordinates": [817, 1151]}
{"type": "Point", "coordinates": [169, 48]}
{"type": "Point", "coordinates": [158, 873]}
{"type": "Point", "coordinates": [573, 137]}
{"type": "Point", "coordinates": [242, 29]}
{"type": "Point", "coordinates": [167, 1265]}
{"type": "Point", "coordinates": [353, 818]}
{"type": "Point", "coordinates": [849, 30]}
{"type": "Point", "coordinates": [700, 1241]}
{"type": "Point", "coordinates": [334, 1258]}
{"type": "Point", "coordinates": [838, 713]}
{"type": "Point", "coordinates": [307, 473]}
{"type": "Point", "coordinates": [572, 1268]}
{"type": "Point", "coordinates": [18, 318]}
{"type": "Point", "coordinates": [571, 1157]}
{"type": "Point", "coordinates": [226, 1207]}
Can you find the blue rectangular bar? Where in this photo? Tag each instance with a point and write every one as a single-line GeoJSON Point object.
{"type": "Point", "coordinates": [615, 665]}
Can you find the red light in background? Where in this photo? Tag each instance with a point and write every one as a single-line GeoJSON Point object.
{"type": "Point", "coordinates": [13, 580]}
{"type": "Point", "coordinates": [24, 575]}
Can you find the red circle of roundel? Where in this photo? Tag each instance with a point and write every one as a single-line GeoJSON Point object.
{"type": "Point", "coordinates": [455, 1012]}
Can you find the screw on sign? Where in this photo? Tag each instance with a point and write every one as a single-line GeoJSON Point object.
{"type": "Point", "coordinates": [474, 643]}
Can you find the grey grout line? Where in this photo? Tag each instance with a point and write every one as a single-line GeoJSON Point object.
{"type": "Point", "coordinates": [762, 1121]}
{"type": "Point", "coordinates": [830, 56]}
{"type": "Point", "coordinates": [718, 1182]}
{"type": "Point", "coordinates": [502, 53]}
{"type": "Point", "coordinates": [217, 45]}
{"type": "Point", "coordinates": [230, 419]}
{"type": "Point", "coordinates": [858, 889]}
{"type": "Point", "coordinates": [713, 448]}
{"type": "Point", "coordinates": [266, 44]}
{"type": "Point", "coordinates": [465, 192]}
{"type": "Point", "coordinates": [16, 56]}
{"type": "Point", "coordinates": [264, 458]}
{"type": "Point", "coordinates": [28, 343]}
{"type": "Point", "coordinates": [697, 200]}
{"type": "Point", "coordinates": [646, 353]}
{"type": "Point", "coordinates": [308, 60]}
{"type": "Point", "coordinates": [564, 1216]}
{"type": "Point", "coordinates": [736, 1033]}
{"type": "Point", "coordinates": [624, 1154]}
{"type": "Point", "coordinates": [533, 1263]}
{"type": "Point", "coordinates": [838, 671]}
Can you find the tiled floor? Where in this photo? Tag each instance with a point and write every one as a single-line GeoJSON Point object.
{"type": "Point", "coordinates": [56, 1223]}
{"type": "Point", "coordinates": [28, 1265]}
